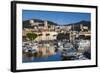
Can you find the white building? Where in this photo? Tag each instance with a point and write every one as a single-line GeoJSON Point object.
{"type": "Point", "coordinates": [43, 32]}
{"type": "Point", "coordinates": [46, 35]}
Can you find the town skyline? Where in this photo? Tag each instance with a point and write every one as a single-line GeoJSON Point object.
{"type": "Point", "coordinates": [60, 18]}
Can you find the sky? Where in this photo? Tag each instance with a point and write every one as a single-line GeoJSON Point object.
{"type": "Point", "coordinates": [60, 18]}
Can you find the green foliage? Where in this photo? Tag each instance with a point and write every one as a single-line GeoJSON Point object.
{"type": "Point", "coordinates": [62, 36]}
{"type": "Point", "coordinates": [31, 36]}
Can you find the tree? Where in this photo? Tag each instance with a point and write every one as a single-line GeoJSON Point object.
{"type": "Point", "coordinates": [62, 36]}
{"type": "Point", "coordinates": [31, 36]}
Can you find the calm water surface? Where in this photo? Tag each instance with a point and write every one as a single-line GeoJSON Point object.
{"type": "Point", "coordinates": [56, 57]}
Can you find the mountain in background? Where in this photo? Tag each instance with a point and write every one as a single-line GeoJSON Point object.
{"type": "Point", "coordinates": [76, 26]}
{"type": "Point", "coordinates": [26, 23]}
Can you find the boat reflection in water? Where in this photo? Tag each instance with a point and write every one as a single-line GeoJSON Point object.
{"type": "Point", "coordinates": [56, 51]}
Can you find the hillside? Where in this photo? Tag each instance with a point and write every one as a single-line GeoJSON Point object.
{"type": "Point", "coordinates": [26, 24]}
{"type": "Point", "coordinates": [76, 26]}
